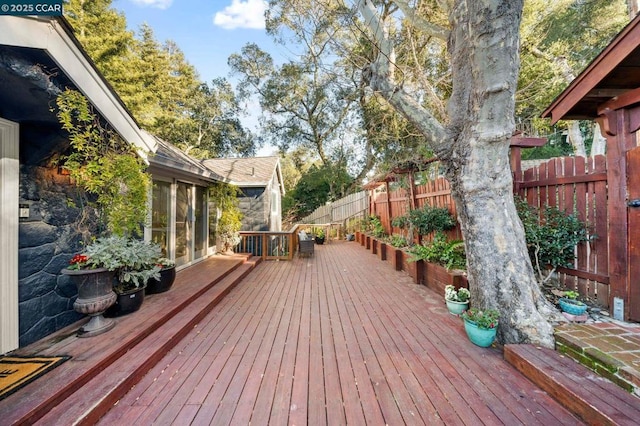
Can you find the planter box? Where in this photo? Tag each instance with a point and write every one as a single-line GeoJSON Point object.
{"type": "Point", "coordinates": [382, 250]}
{"type": "Point", "coordinates": [436, 277]}
{"type": "Point", "coordinates": [414, 269]}
{"type": "Point", "coordinates": [394, 255]}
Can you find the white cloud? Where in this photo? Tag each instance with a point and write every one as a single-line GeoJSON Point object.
{"type": "Point", "coordinates": [160, 4]}
{"type": "Point", "coordinates": [241, 14]}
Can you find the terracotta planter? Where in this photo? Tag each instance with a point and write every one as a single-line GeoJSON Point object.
{"type": "Point", "coordinates": [95, 296]}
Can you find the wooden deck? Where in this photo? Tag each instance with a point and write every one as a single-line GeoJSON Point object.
{"type": "Point", "coordinates": [338, 338]}
{"type": "Point", "coordinates": [101, 366]}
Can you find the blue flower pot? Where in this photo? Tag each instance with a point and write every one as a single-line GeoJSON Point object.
{"type": "Point", "coordinates": [482, 337]}
{"type": "Point", "coordinates": [456, 308]}
{"type": "Point", "coordinates": [572, 307]}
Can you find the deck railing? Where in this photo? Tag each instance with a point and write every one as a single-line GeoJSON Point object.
{"type": "Point", "coordinates": [268, 245]}
{"type": "Point", "coordinates": [272, 245]}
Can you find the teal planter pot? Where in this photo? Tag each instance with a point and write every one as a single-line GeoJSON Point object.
{"type": "Point", "coordinates": [572, 307]}
{"type": "Point", "coordinates": [456, 308]}
{"type": "Point", "coordinates": [482, 337]}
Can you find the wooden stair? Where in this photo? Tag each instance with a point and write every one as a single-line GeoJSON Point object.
{"type": "Point", "coordinates": [72, 397]}
{"type": "Point", "coordinates": [595, 400]}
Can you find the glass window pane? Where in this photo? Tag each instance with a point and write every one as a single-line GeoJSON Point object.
{"type": "Point", "coordinates": [182, 222]}
{"type": "Point", "coordinates": [160, 213]}
{"type": "Point", "coordinates": [200, 226]}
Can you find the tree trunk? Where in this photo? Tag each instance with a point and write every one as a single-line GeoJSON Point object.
{"type": "Point", "coordinates": [473, 147]}
{"type": "Point", "coordinates": [576, 139]}
{"type": "Point", "coordinates": [599, 145]}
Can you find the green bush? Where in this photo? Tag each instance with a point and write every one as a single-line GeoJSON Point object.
{"type": "Point", "coordinates": [398, 241]}
{"type": "Point", "coordinates": [375, 227]}
{"type": "Point", "coordinates": [552, 236]}
{"type": "Point", "coordinates": [449, 254]}
{"type": "Point", "coordinates": [429, 219]}
{"type": "Point", "coordinates": [401, 222]}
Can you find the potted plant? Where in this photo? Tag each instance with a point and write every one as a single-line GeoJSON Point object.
{"type": "Point", "coordinates": [138, 263]}
{"type": "Point", "coordinates": [457, 300]}
{"type": "Point", "coordinates": [94, 280]}
{"type": "Point", "coordinates": [167, 277]}
{"type": "Point", "coordinates": [481, 325]}
{"type": "Point", "coordinates": [319, 235]}
{"type": "Point", "coordinates": [571, 305]}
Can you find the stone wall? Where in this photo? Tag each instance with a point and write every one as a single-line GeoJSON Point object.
{"type": "Point", "coordinates": [49, 237]}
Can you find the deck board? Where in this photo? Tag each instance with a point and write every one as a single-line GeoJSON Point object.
{"type": "Point", "coordinates": [339, 338]}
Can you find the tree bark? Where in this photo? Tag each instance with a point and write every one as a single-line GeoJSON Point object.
{"type": "Point", "coordinates": [599, 145]}
{"type": "Point", "coordinates": [576, 139]}
{"type": "Point", "coordinates": [473, 147]}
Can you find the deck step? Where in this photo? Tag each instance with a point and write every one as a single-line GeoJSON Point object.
{"type": "Point", "coordinates": [594, 399]}
{"type": "Point", "coordinates": [92, 400]}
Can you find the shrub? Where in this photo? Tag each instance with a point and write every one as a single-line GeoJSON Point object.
{"type": "Point", "coordinates": [375, 227]}
{"type": "Point", "coordinates": [449, 254]}
{"type": "Point", "coordinates": [398, 241]}
{"type": "Point", "coordinates": [429, 219]}
{"type": "Point", "coordinates": [552, 236]}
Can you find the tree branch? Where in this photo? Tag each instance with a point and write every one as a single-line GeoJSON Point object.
{"type": "Point", "coordinates": [418, 21]}
{"type": "Point", "coordinates": [380, 78]}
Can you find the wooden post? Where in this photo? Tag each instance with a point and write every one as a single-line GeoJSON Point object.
{"type": "Point", "coordinates": [619, 141]}
{"type": "Point", "coordinates": [412, 191]}
{"type": "Point", "coordinates": [386, 185]}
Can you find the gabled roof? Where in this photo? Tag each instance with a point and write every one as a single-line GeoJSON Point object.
{"type": "Point", "coordinates": [614, 71]}
{"type": "Point", "coordinates": [61, 62]}
{"type": "Point", "coordinates": [39, 58]}
{"type": "Point", "coordinates": [247, 172]}
{"type": "Point", "coordinates": [171, 160]}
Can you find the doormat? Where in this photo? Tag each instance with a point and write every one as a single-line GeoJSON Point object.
{"type": "Point", "coordinates": [17, 371]}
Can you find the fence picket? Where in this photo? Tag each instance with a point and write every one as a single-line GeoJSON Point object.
{"type": "Point", "coordinates": [575, 185]}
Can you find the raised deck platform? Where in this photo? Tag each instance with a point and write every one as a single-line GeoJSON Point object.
{"type": "Point", "coordinates": [104, 367]}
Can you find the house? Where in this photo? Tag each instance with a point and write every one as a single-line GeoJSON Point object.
{"type": "Point", "coordinates": [262, 187]}
{"type": "Point", "coordinates": [608, 91]}
{"type": "Point", "coordinates": [40, 57]}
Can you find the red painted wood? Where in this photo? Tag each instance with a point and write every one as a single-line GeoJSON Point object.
{"type": "Point", "coordinates": [595, 400]}
{"type": "Point", "coordinates": [633, 185]}
{"type": "Point", "coordinates": [385, 351]}
{"type": "Point", "coordinates": [104, 350]}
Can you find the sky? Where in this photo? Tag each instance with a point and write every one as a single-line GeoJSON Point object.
{"type": "Point", "coordinates": [207, 32]}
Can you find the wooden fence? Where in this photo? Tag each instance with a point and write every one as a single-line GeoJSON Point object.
{"type": "Point", "coordinates": [576, 185]}
{"type": "Point", "coordinates": [573, 184]}
{"type": "Point", "coordinates": [388, 202]}
{"type": "Point", "coordinates": [341, 210]}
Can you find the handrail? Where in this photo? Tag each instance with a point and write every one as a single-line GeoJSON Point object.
{"type": "Point", "coordinates": [277, 245]}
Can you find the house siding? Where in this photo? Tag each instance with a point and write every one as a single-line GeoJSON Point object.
{"type": "Point", "coordinates": [253, 208]}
